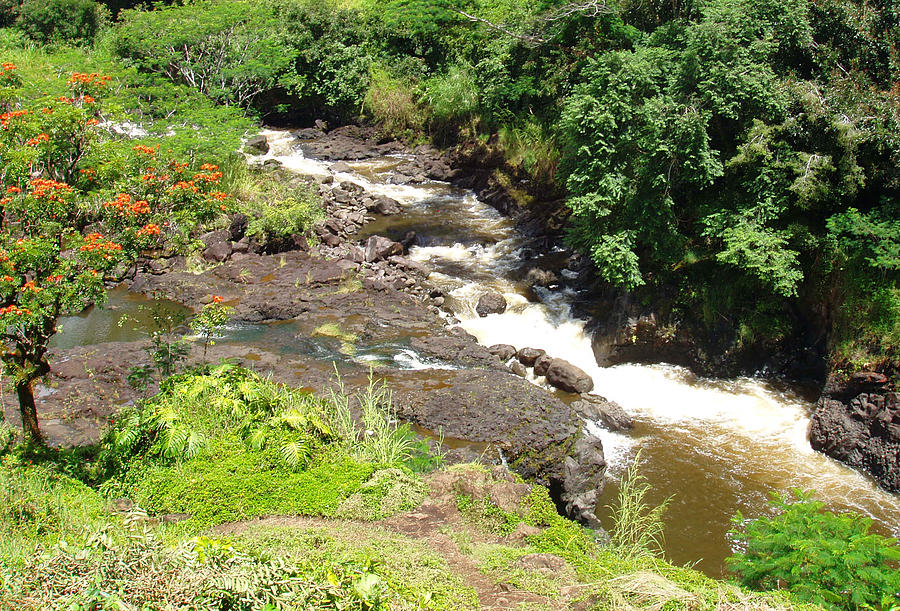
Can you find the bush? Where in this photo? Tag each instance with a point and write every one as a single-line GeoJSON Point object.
{"type": "Point", "coordinates": [821, 557]}
{"type": "Point", "coordinates": [285, 217]}
{"type": "Point", "coordinates": [67, 21]}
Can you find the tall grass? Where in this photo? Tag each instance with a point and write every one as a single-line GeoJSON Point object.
{"type": "Point", "coordinates": [392, 103]}
{"type": "Point", "coordinates": [531, 146]}
{"type": "Point", "coordinates": [638, 527]}
{"type": "Point", "coordinates": [380, 438]}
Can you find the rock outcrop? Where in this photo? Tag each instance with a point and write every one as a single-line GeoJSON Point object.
{"type": "Point", "coordinates": [857, 421]}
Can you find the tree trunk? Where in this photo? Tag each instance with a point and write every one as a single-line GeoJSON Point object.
{"type": "Point", "coordinates": [25, 391]}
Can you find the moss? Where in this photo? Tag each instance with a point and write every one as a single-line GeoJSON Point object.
{"type": "Point", "coordinates": [235, 483]}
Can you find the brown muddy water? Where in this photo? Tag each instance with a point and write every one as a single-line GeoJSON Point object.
{"type": "Point", "coordinates": [712, 447]}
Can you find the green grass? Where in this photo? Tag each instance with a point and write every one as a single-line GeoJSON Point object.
{"type": "Point", "coordinates": [39, 506]}
{"type": "Point", "coordinates": [233, 483]}
{"type": "Point", "coordinates": [416, 573]}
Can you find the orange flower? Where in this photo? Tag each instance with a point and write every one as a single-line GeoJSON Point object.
{"type": "Point", "coordinates": [146, 150]}
{"type": "Point", "coordinates": [14, 309]}
{"type": "Point", "coordinates": [14, 190]}
{"type": "Point", "coordinates": [31, 286]}
{"type": "Point", "coordinates": [217, 299]}
{"type": "Point", "coordinates": [37, 139]}
{"type": "Point", "coordinates": [149, 229]}
{"type": "Point", "coordinates": [91, 122]}
{"type": "Point", "coordinates": [87, 99]}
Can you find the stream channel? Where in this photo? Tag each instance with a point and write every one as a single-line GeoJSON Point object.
{"type": "Point", "coordinates": [715, 447]}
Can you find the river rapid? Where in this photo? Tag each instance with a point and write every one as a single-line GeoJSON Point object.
{"type": "Point", "coordinates": [712, 447]}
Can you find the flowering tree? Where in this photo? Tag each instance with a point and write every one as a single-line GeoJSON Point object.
{"type": "Point", "coordinates": [63, 233]}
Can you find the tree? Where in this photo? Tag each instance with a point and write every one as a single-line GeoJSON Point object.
{"type": "Point", "coordinates": [63, 233]}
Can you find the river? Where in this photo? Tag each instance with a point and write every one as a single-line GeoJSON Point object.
{"type": "Point", "coordinates": [712, 447]}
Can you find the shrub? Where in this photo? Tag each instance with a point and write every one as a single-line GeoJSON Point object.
{"type": "Point", "coordinates": [283, 218]}
{"type": "Point", "coordinates": [392, 103]}
{"type": "Point", "coordinates": [68, 21]}
{"type": "Point", "coordinates": [821, 557]}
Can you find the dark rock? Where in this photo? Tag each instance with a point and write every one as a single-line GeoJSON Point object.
{"type": "Point", "coordinates": [504, 351]}
{"type": "Point", "coordinates": [409, 239]}
{"type": "Point", "coordinates": [583, 480]}
{"type": "Point", "coordinates": [241, 246]}
{"type": "Point", "coordinates": [491, 303]}
{"type": "Point", "coordinates": [527, 356]}
{"type": "Point", "coordinates": [566, 376]}
{"type": "Point", "coordinates": [858, 423]}
{"type": "Point", "coordinates": [378, 247]}
{"type": "Point", "coordinates": [218, 252]}
{"type": "Point", "coordinates": [238, 228]}
{"type": "Point", "coordinates": [341, 167]}
{"type": "Point", "coordinates": [410, 265]}
{"type": "Point", "coordinates": [387, 206]}
{"type": "Point", "coordinates": [461, 350]}
{"type": "Point", "coordinates": [308, 133]}
{"type": "Point", "coordinates": [214, 237]}
{"type": "Point", "coordinates": [257, 145]}
{"type": "Point", "coordinates": [609, 413]}
{"type": "Point", "coordinates": [539, 435]}
{"type": "Point", "coordinates": [542, 364]}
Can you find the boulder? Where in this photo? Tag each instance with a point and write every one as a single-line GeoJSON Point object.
{"type": "Point", "coordinates": [257, 145]}
{"type": "Point", "coordinates": [387, 206]}
{"type": "Point", "coordinates": [504, 351]}
{"type": "Point", "coordinates": [540, 277]}
{"type": "Point", "coordinates": [379, 247]}
{"type": "Point", "coordinates": [542, 364]}
{"type": "Point", "coordinates": [341, 167]}
{"type": "Point", "coordinates": [491, 303]}
{"type": "Point", "coordinates": [218, 252]}
{"type": "Point", "coordinates": [214, 237]}
{"type": "Point", "coordinates": [583, 482]}
{"type": "Point", "coordinates": [518, 368]}
{"type": "Point", "coordinates": [528, 356]}
{"type": "Point", "coordinates": [609, 413]}
{"type": "Point", "coordinates": [566, 376]}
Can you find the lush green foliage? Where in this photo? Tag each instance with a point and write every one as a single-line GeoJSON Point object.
{"type": "Point", "coordinates": [61, 21]}
{"type": "Point", "coordinates": [230, 51]}
{"type": "Point", "coordinates": [825, 558]}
